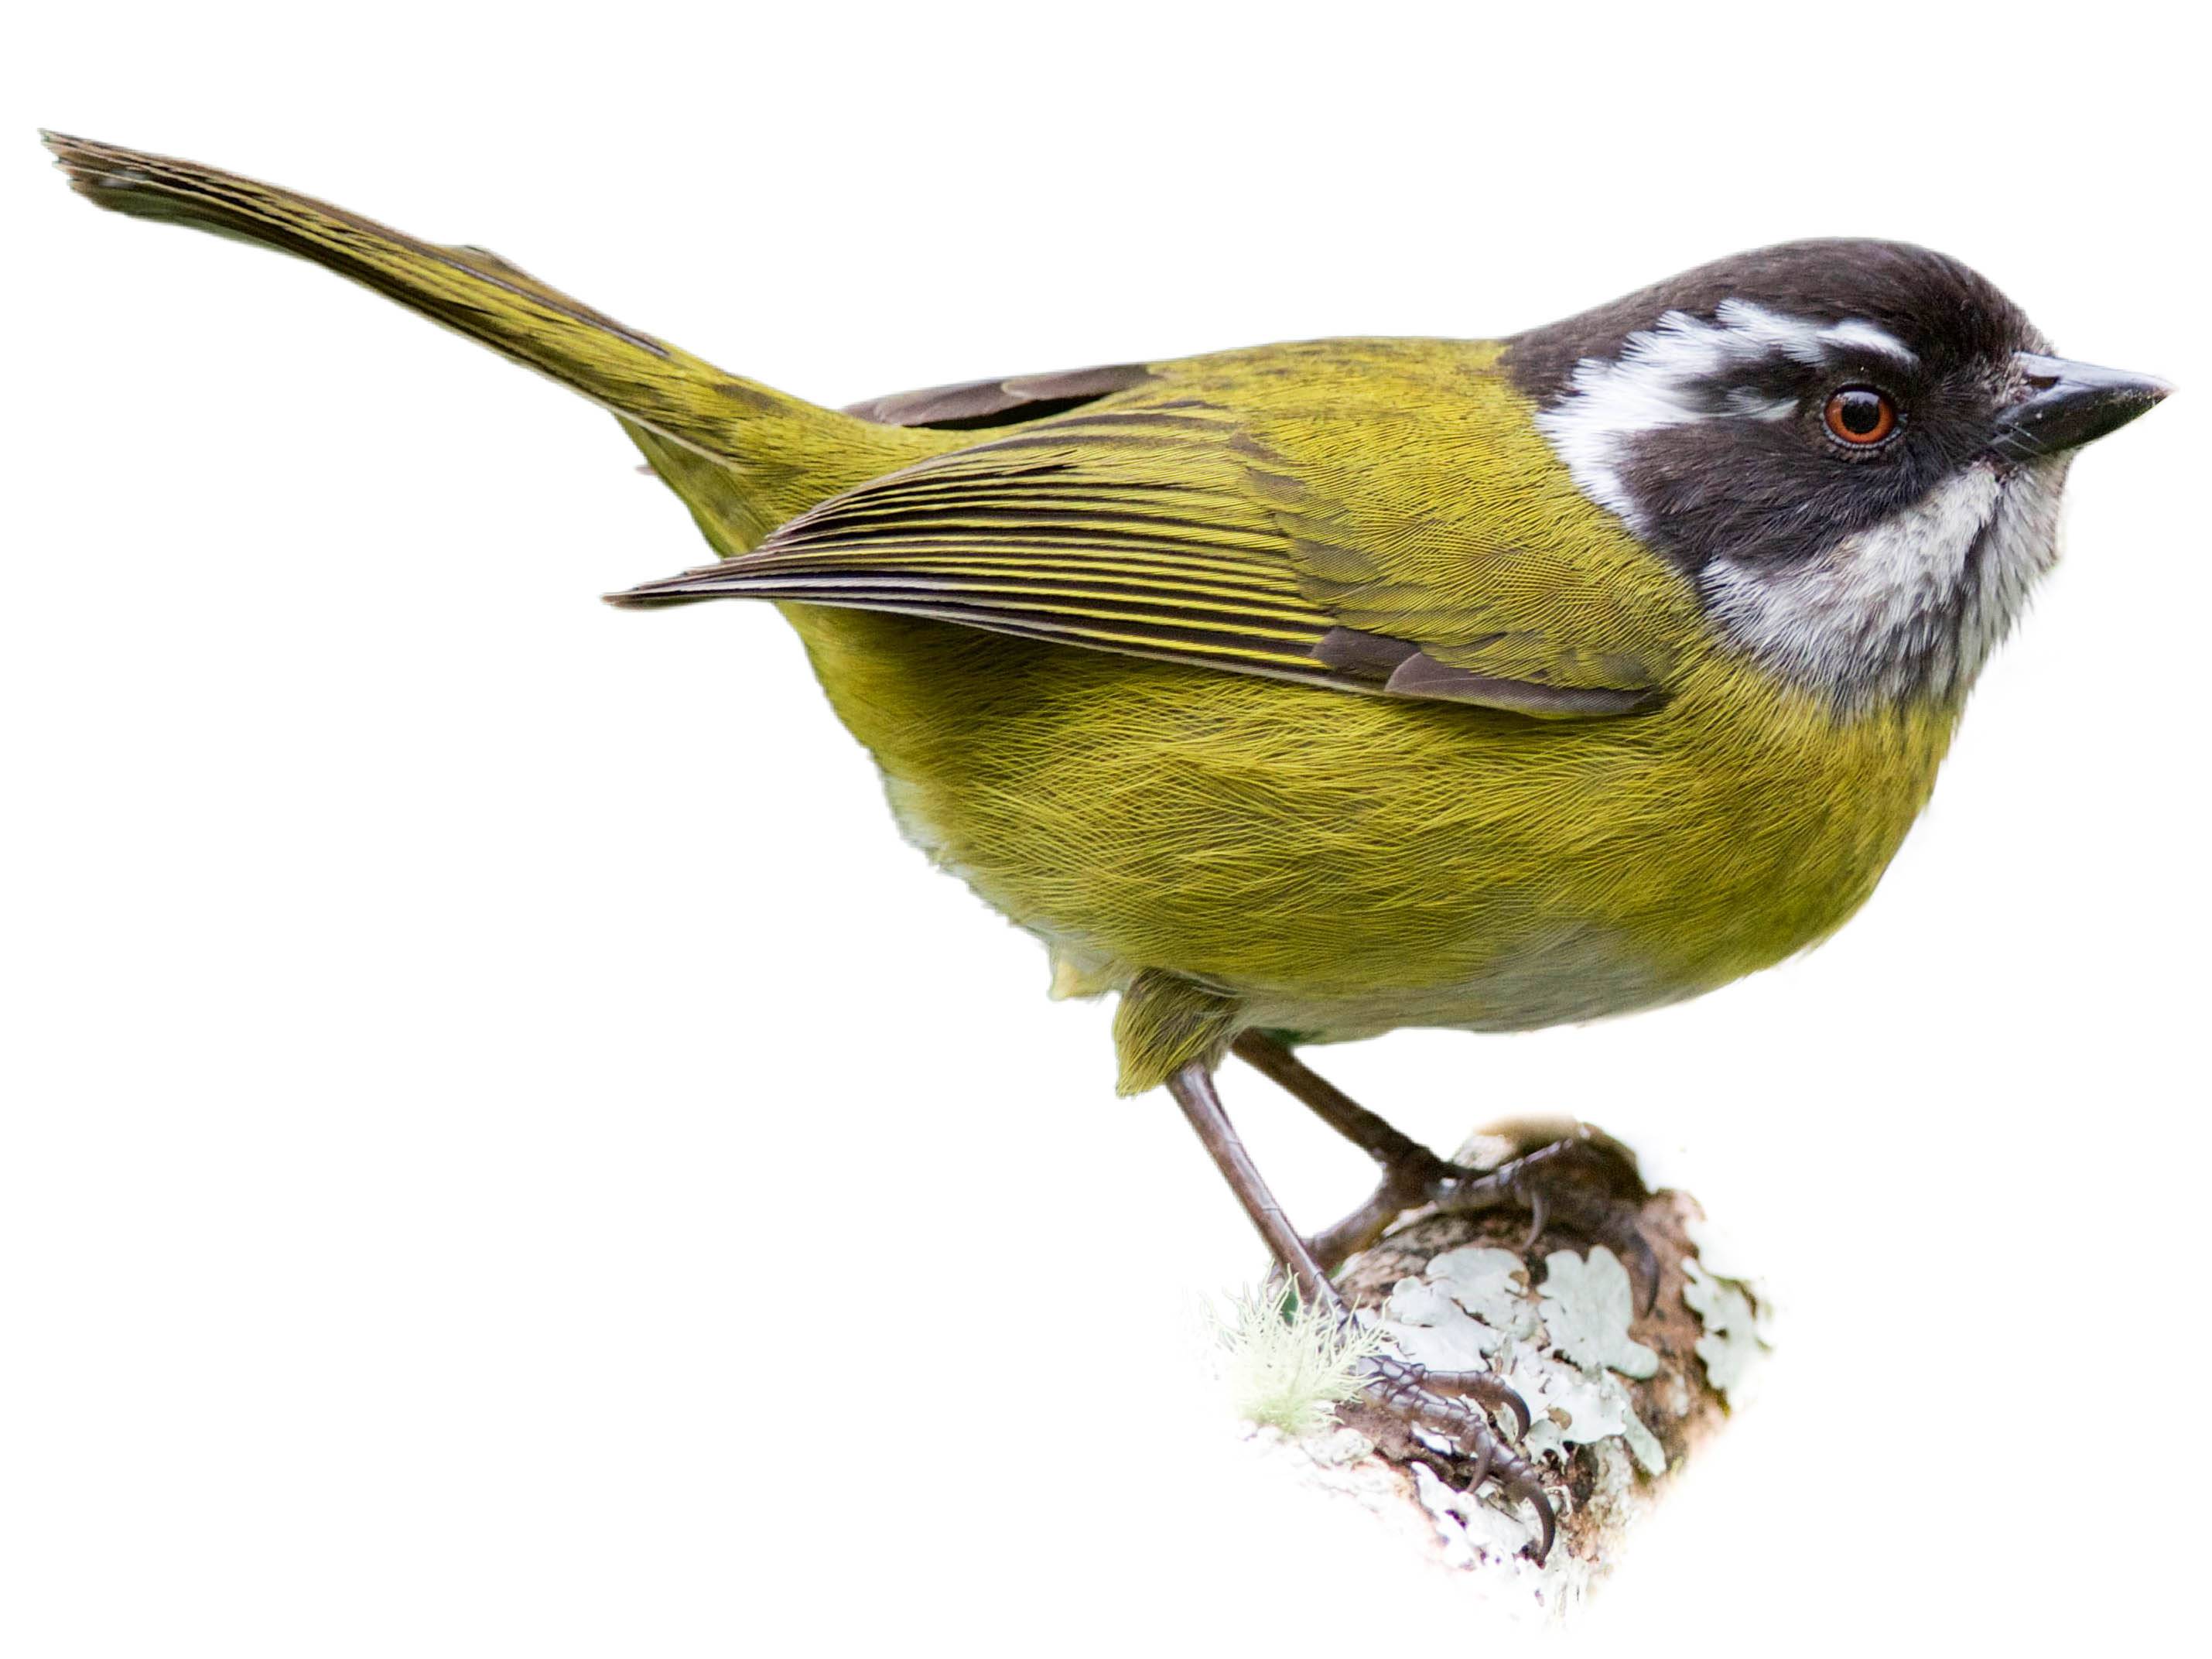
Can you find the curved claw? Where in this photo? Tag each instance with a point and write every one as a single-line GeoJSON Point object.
{"type": "Point", "coordinates": [1516, 1478]}
{"type": "Point", "coordinates": [1606, 1209]}
{"type": "Point", "coordinates": [1539, 1212]}
{"type": "Point", "coordinates": [1546, 1521]}
{"type": "Point", "coordinates": [1481, 1447]}
{"type": "Point", "coordinates": [1643, 1265]}
{"type": "Point", "coordinates": [1488, 1387]}
{"type": "Point", "coordinates": [1425, 1400]}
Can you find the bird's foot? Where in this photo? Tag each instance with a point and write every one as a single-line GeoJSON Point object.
{"type": "Point", "coordinates": [1450, 1412]}
{"type": "Point", "coordinates": [1583, 1183]}
{"type": "Point", "coordinates": [1580, 1181]}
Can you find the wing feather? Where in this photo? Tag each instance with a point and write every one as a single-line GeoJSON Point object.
{"type": "Point", "coordinates": [1137, 523]}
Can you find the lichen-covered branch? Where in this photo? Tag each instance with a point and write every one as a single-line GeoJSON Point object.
{"type": "Point", "coordinates": [1620, 1398]}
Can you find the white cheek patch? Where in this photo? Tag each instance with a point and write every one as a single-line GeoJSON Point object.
{"type": "Point", "coordinates": [1666, 375]}
{"type": "Point", "coordinates": [1914, 604]}
{"type": "Point", "coordinates": [2022, 546]}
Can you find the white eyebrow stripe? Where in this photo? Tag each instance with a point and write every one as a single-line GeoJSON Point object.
{"type": "Point", "coordinates": [1754, 407]}
{"type": "Point", "coordinates": [1751, 331]}
{"type": "Point", "coordinates": [1662, 377]}
{"type": "Point", "coordinates": [1866, 337]}
{"type": "Point", "coordinates": [1757, 330]}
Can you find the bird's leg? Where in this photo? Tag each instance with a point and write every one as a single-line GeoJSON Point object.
{"type": "Point", "coordinates": [1582, 1181]}
{"type": "Point", "coordinates": [1411, 1174]}
{"type": "Point", "coordinates": [1403, 1158]}
{"type": "Point", "coordinates": [1435, 1401]}
{"type": "Point", "coordinates": [1193, 1089]}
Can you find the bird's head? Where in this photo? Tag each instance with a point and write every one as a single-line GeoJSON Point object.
{"type": "Point", "coordinates": [1853, 449]}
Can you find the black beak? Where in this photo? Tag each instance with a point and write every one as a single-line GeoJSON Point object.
{"type": "Point", "coordinates": [2063, 405]}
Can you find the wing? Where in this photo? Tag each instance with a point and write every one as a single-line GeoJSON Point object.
{"type": "Point", "coordinates": [1022, 397]}
{"type": "Point", "coordinates": [1245, 514]}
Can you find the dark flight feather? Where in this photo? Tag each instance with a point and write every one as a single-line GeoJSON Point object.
{"type": "Point", "coordinates": [1068, 526]}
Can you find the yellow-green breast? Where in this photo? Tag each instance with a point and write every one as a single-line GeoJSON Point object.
{"type": "Point", "coordinates": [1342, 864]}
{"type": "Point", "coordinates": [1346, 865]}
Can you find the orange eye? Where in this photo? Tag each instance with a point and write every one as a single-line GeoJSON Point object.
{"type": "Point", "coordinates": [1860, 416]}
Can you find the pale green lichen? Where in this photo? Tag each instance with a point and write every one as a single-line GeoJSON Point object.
{"type": "Point", "coordinates": [1595, 1406]}
{"type": "Point", "coordinates": [1285, 1366]}
{"type": "Point", "coordinates": [1472, 1310]}
{"type": "Point", "coordinates": [1721, 1252]}
{"type": "Point", "coordinates": [1643, 1445]}
{"type": "Point", "coordinates": [1735, 1337]}
{"type": "Point", "coordinates": [1433, 1330]}
{"type": "Point", "coordinates": [1587, 1307]}
{"type": "Point", "coordinates": [1491, 1285]}
{"type": "Point", "coordinates": [1468, 1305]}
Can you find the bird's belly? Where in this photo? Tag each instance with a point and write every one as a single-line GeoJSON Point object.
{"type": "Point", "coordinates": [1576, 975]}
{"type": "Point", "coordinates": [1347, 864]}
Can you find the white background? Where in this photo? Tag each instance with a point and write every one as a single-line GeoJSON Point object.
{"type": "Point", "coordinates": [505, 1152]}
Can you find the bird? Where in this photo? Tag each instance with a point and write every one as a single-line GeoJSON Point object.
{"type": "Point", "coordinates": [1300, 693]}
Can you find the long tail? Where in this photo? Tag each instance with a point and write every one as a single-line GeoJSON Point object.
{"type": "Point", "coordinates": [766, 455]}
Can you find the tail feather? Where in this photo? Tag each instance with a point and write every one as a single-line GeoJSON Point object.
{"type": "Point", "coordinates": [779, 453]}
